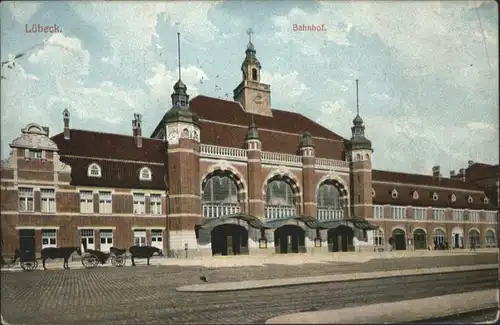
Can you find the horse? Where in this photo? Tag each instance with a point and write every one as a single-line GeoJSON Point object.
{"type": "Point", "coordinates": [117, 251]}
{"type": "Point", "coordinates": [59, 252]}
{"type": "Point", "coordinates": [143, 252]}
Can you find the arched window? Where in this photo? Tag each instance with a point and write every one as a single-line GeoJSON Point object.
{"type": "Point", "coordinates": [94, 170]}
{"type": "Point", "coordinates": [490, 238]}
{"type": "Point", "coordinates": [220, 196]}
{"type": "Point", "coordinates": [329, 202]}
{"type": "Point", "coordinates": [378, 238]}
{"type": "Point", "coordinates": [474, 238]}
{"type": "Point", "coordinates": [280, 199]}
{"type": "Point", "coordinates": [185, 133]}
{"type": "Point", "coordinates": [439, 236]}
{"type": "Point", "coordinates": [145, 174]}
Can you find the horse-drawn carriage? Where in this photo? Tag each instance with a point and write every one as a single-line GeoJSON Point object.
{"type": "Point", "coordinates": [92, 258]}
{"type": "Point", "coordinates": [27, 259]}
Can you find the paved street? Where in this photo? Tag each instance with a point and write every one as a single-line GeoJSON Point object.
{"type": "Point", "coordinates": [143, 295]}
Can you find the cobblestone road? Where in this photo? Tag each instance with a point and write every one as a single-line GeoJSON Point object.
{"type": "Point", "coordinates": [146, 295]}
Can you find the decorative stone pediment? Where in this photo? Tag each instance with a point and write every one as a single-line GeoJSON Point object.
{"type": "Point", "coordinates": [59, 166]}
{"type": "Point", "coordinates": [34, 136]}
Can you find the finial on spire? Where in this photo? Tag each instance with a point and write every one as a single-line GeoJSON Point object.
{"type": "Point", "coordinates": [357, 97]}
{"type": "Point", "coordinates": [249, 32]}
{"type": "Point", "coordinates": [179, 53]}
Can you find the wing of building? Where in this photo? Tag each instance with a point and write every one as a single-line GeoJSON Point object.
{"type": "Point", "coordinates": [233, 177]}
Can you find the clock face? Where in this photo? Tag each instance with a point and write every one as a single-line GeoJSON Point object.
{"type": "Point", "coordinates": [258, 99]}
{"type": "Point", "coordinates": [173, 137]}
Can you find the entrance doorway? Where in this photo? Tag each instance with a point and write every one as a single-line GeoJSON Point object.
{"type": "Point", "coordinates": [106, 239]}
{"type": "Point", "coordinates": [399, 239]}
{"type": "Point", "coordinates": [27, 239]}
{"type": "Point", "coordinates": [87, 237]}
{"type": "Point", "coordinates": [419, 239]}
{"type": "Point", "coordinates": [229, 239]}
{"type": "Point", "coordinates": [340, 239]}
{"type": "Point", "coordinates": [289, 239]}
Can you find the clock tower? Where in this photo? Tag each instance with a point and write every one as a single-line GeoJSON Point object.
{"type": "Point", "coordinates": [254, 96]}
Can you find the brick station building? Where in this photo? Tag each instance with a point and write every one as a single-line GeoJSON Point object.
{"type": "Point", "coordinates": [241, 177]}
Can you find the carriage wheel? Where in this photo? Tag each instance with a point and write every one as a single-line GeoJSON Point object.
{"type": "Point", "coordinates": [118, 261]}
{"type": "Point", "coordinates": [90, 261]}
{"type": "Point", "coordinates": [29, 266]}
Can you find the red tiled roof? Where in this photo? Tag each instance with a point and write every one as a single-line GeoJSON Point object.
{"type": "Point", "coordinates": [479, 171]}
{"type": "Point", "coordinates": [107, 145]}
{"type": "Point", "coordinates": [383, 195]}
{"type": "Point", "coordinates": [122, 172]}
{"type": "Point", "coordinates": [114, 174]}
{"type": "Point", "coordinates": [403, 185]}
{"type": "Point", "coordinates": [417, 179]}
{"type": "Point", "coordinates": [213, 112]}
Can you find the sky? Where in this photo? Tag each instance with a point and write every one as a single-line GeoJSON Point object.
{"type": "Point", "coordinates": [428, 71]}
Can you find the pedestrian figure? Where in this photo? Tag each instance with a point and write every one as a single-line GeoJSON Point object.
{"type": "Point", "coordinates": [473, 245]}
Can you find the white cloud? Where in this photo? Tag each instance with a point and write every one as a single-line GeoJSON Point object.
{"type": "Point", "coordinates": [162, 81]}
{"type": "Point", "coordinates": [287, 87]}
{"type": "Point", "coordinates": [22, 11]}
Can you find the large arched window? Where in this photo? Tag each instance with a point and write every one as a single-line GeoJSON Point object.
{"type": "Point", "coordinates": [329, 202]}
{"type": "Point", "coordinates": [439, 236]}
{"type": "Point", "coordinates": [280, 199]}
{"type": "Point", "coordinates": [490, 238]}
{"type": "Point", "coordinates": [220, 196]}
{"type": "Point", "coordinates": [474, 238]}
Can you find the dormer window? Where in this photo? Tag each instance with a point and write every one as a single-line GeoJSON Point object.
{"type": "Point", "coordinates": [373, 192]}
{"type": "Point", "coordinates": [145, 174]}
{"type": "Point", "coordinates": [94, 170]}
{"type": "Point", "coordinates": [470, 199]}
{"type": "Point", "coordinates": [435, 197]}
{"type": "Point", "coordinates": [415, 195]}
{"type": "Point", "coordinates": [453, 198]}
{"type": "Point", "coordinates": [485, 200]}
{"type": "Point", "coordinates": [394, 194]}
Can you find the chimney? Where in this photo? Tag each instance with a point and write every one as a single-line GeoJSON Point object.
{"type": "Point", "coordinates": [452, 173]}
{"type": "Point", "coordinates": [66, 124]}
{"type": "Point", "coordinates": [137, 130]}
{"type": "Point", "coordinates": [436, 172]}
{"type": "Point", "coordinates": [470, 163]}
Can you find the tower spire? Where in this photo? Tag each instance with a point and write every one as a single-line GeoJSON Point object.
{"type": "Point", "coordinates": [179, 53]}
{"type": "Point", "coordinates": [179, 96]}
{"type": "Point", "coordinates": [249, 33]}
{"type": "Point", "coordinates": [357, 98]}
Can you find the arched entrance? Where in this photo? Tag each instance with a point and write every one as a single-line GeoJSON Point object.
{"type": "Point", "coordinates": [340, 239]}
{"type": "Point", "coordinates": [419, 239]}
{"type": "Point", "coordinates": [289, 239]}
{"type": "Point", "coordinates": [457, 237]}
{"type": "Point", "coordinates": [229, 239]}
{"type": "Point", "coordinates": [439, 239]}
{"type": "Point", "coordinates": [399, 239]}
{"type": "Point", "coordinates": [474, 238]}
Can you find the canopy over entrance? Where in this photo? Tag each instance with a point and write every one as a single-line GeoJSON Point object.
{"type": "Point", "coordinates": [211, 223]}
{"type": "Point", "coordinates": [310, 222]}
{"type": "Point", "coordinates": [357, 222]}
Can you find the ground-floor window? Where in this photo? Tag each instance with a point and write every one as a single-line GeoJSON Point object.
{"type": "Point", "coordinates": [49, 238]}
{"type": "Point", "coordinates": [140, 238]}
{"type": "Point", "coordinates": [157, 238]}
{"type": "Point", "coordinates": [378, 238]}
{"type": "Point", "coordinates": [87, 238]}
{"type": "Point", "coordinates": [439, 237]}
{"type": "Point", "coordinates": [490, 238]}
{"type": "Point", "coordinates": [106, 239]}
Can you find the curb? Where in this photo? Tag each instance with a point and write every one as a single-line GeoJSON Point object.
{"type": "Point", "coordinates": [258, 284]}
{"type": "Point", "coordinates": [398, 312]}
